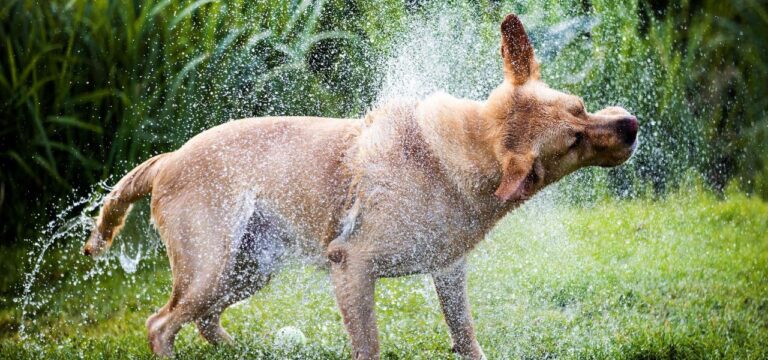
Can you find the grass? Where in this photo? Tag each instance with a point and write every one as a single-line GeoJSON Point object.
{"type": "Point", "coordinates": [681, 277]}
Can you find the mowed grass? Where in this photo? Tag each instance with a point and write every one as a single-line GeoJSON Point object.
{"type": "Point", "coordinates": [681, 277]}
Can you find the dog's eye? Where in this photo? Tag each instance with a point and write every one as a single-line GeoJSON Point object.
{"type": "Point", "coordinates": [578, 138]}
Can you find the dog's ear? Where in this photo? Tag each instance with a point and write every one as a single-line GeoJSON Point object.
{"type": "Point", "coordinates": [517, 51]}
{"type": "Point", "coordinates": [516, 178]}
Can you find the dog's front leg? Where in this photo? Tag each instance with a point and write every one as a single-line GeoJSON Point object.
{"type": "Point", "coordinates": [451, 286]}
{"type": "Point", "coordinates": [354, 287]}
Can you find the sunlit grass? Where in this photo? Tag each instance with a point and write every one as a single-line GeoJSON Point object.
{"type": "Point", "coordinates": [683, 277]}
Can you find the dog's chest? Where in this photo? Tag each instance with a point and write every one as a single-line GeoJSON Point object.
{"type": "Point", "coordinates": [416, 229]}
{"type": "Point", "coordinates": [414, 217]}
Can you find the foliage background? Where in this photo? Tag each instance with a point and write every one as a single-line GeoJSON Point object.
{"type": "Point", "coordinates": [88, 89]}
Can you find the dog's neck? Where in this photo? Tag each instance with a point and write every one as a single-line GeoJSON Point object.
{"type": "Point", "coordinates": [463, 138]}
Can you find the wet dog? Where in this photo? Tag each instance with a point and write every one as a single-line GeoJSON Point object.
{"type": "Point", "coordinates": [410, 188]}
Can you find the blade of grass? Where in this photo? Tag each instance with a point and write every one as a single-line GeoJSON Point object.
{"type": "Point", "coordinates": [188, 11]}
{"type": "Point", "coordinates": [75, 122]}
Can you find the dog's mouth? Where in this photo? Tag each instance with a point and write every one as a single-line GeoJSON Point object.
{"type": "Point", "coordinates": [617, 157]}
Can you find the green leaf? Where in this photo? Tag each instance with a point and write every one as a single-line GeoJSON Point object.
{"type": "Point", "coordinates": [188, 11]}
{"type": "Point", "coordinates": [23, 165]}
{"type": "Point", "coordinates": [159, 7]}
{"type": "Point", "coordinates": [258, 37]}
{"type": "Point", "coordinates": [192, 64]}
{"type": "Point", "coordinates": [84, 161]}
{"type": "Point", "coordinates": [93, 96]}
{"type": "Point", "coordinates": [74, 122]}
{"type": "Point", "coordinates": [49, 169]}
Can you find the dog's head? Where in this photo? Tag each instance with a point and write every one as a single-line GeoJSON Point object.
{"type": "Point", "coordinates": [544, 134]}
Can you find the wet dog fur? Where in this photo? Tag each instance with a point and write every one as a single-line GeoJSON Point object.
{"type": "Point", "coordinates": [410, 188]}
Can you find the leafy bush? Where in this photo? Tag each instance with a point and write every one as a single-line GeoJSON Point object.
{"type": "Point", "coordinates": [90, 88]}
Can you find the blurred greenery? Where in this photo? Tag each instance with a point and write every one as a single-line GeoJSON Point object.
{"type": "Point", "coordinates": [88, 89]}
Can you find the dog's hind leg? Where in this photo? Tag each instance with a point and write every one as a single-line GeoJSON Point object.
{"type": "Point", "coordinates": [255, 259]}
{"type": "Point", "coordinates": [198, 252]}
{"type": "Point", "coordinates": [209, 325]}
{"type": "Point", "coordinates": [188, 302]}
{"type": "Point", "coordinates": [211, 330]}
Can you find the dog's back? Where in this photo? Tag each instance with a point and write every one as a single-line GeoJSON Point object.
{"type": "Point", "coordinates": [295, 166]}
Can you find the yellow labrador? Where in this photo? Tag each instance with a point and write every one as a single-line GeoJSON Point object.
{"type": "Point", "coordinates": [411, 188]}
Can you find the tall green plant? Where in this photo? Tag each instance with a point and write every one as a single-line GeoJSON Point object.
{"type": "Point", "coordinates": [88, 88]}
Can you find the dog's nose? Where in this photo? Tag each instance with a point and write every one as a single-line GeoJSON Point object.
{"type": "Point", "coordinates": [627, 129]}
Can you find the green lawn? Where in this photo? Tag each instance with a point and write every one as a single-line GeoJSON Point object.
{"type": "Point", "coordinates": [682, 277]}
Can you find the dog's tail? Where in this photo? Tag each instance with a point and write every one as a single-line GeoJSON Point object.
{"type": "Point", "coordinates": [137, 184]}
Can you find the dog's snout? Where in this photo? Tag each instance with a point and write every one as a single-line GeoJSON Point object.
{"type": "Point", "coordinates": [627, 128]}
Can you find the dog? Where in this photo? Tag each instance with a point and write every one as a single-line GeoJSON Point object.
{"type": "Point", "coordinates": [410, 188]}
